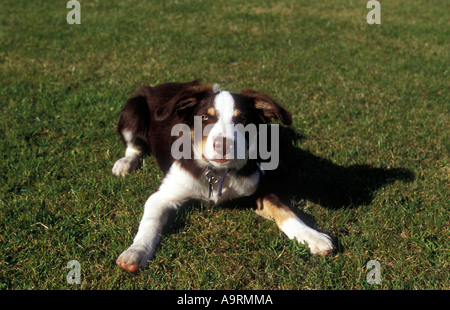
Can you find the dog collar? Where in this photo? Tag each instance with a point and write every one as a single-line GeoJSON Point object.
{"type": "Point", "coordinates": [211, 178]}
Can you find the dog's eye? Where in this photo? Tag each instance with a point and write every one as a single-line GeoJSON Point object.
{"type": "Point", "coordinates": [205, 117]}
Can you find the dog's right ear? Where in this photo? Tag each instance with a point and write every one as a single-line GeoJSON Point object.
{"type": "Point", "coordinates": [183, 101]}
{"type": "Point", "coordinates": [267, 107]}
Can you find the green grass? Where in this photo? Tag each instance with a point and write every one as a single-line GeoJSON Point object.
{"type": "Point", "coordinates": [369, 96]}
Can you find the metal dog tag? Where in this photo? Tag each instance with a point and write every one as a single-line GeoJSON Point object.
{"type": "Point", "coordinates": [210, 177]}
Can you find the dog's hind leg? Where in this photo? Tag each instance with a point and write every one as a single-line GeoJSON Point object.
{"type": "Point", "coordinates": [134, 123]}
{"type": "Point", "coordinates": [130, 161]}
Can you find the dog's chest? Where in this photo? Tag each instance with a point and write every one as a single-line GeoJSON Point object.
{"type": "Point", "coordinates": [230, 186]}
{"type": "Point", "coordinates": [179, 184]}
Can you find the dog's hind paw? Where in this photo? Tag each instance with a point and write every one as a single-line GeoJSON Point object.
{"type": "Point", "coordinates": [125, 165]}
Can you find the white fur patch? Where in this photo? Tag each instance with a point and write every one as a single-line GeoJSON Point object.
{"type": "Point", "coordinates": [224, 104]}
{"type": "Point", "coordinates": [128, 136]}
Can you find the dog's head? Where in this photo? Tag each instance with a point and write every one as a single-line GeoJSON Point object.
{"type": "Point", "coordinates": [222, 125]}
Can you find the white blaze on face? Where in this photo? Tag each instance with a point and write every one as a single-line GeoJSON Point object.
{"type": "Point", "coordinates": [224, 105]}
{"type": "Point", "coordinates": [222, 130]}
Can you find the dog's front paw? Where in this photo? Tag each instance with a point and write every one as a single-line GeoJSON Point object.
{"type": "Point", "coordinates": [317, 242]}
{"type": "Point", "coordinates": [320, 243]}
{"type": "Point", "coordinates": [125, 165]}
{"type": "Point", "coordinates": [133, 258]}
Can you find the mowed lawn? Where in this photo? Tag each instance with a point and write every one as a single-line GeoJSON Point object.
{"type": "Point", "coordinates": [368, 155]}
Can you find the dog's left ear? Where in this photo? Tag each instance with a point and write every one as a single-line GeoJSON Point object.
{"type": "Point", "coordinates": [268, 107]}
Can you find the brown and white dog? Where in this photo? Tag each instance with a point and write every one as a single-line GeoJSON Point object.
{"type": "Point", "coordinates": [215, 165]}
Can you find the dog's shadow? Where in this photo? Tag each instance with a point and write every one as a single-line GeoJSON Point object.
{"type": "Point", "coordinates": [303, 175]}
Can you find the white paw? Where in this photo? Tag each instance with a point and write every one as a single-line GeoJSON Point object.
{"type": "Point", "coordinates": [133, 258]}
{"type": "Point", "coordinates": [318, 243]}
{"type": "Point", "coordinates": [125, 165]}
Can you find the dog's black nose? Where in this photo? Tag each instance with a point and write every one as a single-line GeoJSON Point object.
{"type": "Point", "coordinates": [223, 146]}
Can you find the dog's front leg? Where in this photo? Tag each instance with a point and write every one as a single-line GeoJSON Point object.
{"type": "Point", "coordinates": [272, 208]}
{"type": "Point", "coordinates": [156, 214]}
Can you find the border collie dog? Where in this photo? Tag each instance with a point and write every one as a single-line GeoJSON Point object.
{"type": "Point", "coordinates": [193, 132]}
